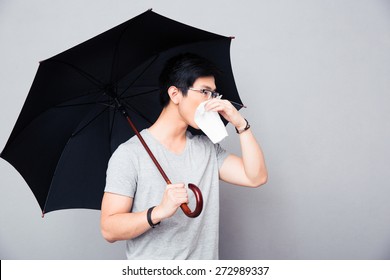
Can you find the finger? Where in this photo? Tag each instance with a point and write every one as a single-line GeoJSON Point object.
{"type": "Point", "coordinates": [219, 108]}
{"type": "Point", "coordinates": [181, 196]}
{"type": "Point", "coordinates": [211, 104]}
{"type": "Point", "coordinates": [217, 101]}
{"type": "Point", "coordinates": [179, 199]}
{"type": "Point", "coordinates": [219, 105]}
{"type": "Point", "coordinates": [180, 190]}
{"type": "Point", "coordinates": [175, 186]}
{"type": "Point", "coordinates": [182, 199]}
{"type": "Point", "coordinates": [177, 192]}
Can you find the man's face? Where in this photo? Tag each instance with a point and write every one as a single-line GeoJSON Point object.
{"type": "Point", "coordinates": [190, 102]}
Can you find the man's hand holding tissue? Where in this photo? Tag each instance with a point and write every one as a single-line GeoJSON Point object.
{"type": "Point", "coordinates": [226, 110]}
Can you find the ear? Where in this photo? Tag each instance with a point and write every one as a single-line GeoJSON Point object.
{"type": "Point", "coordinates": [175, 94]}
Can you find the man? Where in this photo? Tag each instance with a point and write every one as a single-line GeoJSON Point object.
{"type": "Point", "coordinates": [138, 206]}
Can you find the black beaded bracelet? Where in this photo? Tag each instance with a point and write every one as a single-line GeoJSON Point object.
{"type": "Point", "coordinates": [149, 217]}
{"type": "Point", "coordinates": [246, 127]}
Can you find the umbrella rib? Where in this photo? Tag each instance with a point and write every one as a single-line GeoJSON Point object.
{"type": "Point", "coordinates": [85, 104]}
{"type": "Point", "coordinates": [139, 94]}
{"type": "Point", "coordinates": [96, 102]}
{"type": "Point", "coordinates": [89, 122]}
{"type": "Point", "coordinates": [111, 130]}
{"type": "Point", "coordinates": [78, 70]}
{"type": "Point", "coordinates": [105, 102]}
{"type": "Point", "coordinates": [140, 75]}
{"type": "Point", "coordinates": [128, 105]}
{"type": "Point", "coordinates": [114, 61]}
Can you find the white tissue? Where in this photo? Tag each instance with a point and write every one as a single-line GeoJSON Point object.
{"type": "Point", "coordinates": [210, 123]}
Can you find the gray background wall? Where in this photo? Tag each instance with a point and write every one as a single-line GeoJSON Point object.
{"type": "Point", "coordinates": [316, 78]}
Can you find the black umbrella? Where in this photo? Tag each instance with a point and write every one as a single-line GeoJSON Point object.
{"type": "Point", "coordinates": [72, 119]}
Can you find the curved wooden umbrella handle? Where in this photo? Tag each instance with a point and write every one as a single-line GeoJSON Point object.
{"type": "Point", "coordinates": [199, 203]}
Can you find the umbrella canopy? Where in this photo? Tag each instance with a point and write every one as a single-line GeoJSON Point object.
{"type": "Point", "coordinates": [70, 123]}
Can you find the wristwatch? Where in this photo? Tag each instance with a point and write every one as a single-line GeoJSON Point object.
{"type": "Point", "coordinates": [245, 128]}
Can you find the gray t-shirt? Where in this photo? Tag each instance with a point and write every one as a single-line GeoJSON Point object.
{"type": "Point", "coordinates": [132, 173]}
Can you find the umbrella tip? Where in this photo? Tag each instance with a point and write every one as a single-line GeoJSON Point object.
{"type": "Point", "coordinates": [150, 9]}
{"type": "Point", "coordinates": [232, 37]}
{"type": "Point", "coordinates": [43, 214]}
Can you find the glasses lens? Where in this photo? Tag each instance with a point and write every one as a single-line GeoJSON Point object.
{"type": "Point", "coordinates": [208, 93]}
{"type": "Point", "coordinates": [214, 94]}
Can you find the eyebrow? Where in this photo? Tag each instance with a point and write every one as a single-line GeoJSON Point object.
{"type": "Point", "coordinates": [209, 88]}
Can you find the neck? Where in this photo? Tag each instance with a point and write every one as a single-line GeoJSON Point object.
{"type": "Point", "coordinates": [170, 129]}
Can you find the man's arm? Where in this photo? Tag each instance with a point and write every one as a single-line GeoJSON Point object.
{"type": "Point", "coordinates": [248, 170]}
{"type": "Point", "coordinates": [118, 223]}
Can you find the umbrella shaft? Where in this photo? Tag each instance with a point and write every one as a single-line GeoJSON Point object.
{"type": "Point", "coordinates": [148, 150]}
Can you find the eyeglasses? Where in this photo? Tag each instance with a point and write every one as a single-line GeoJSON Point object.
{"type": "Point", "coordinates": [209, 93]}
{"type": "Point", "coordinates": [213, 94]}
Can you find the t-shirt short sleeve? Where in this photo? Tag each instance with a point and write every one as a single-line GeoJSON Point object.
{"type": "Point", "coordinates": [121, 177]}
{"type": "Point", "coordinates": [221, 153]}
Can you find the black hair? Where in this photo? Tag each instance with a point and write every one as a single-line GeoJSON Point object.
{"type": "Point", "coordinates": [181, 71]}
